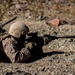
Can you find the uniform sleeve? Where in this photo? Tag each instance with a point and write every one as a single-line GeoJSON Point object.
{"type": "Point", "coordinates": [12, 53]}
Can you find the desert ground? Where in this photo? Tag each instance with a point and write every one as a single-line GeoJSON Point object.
{"type": "Point", "coordinates": [58, 50]}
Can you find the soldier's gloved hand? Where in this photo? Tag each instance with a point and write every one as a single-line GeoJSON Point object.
{"type": "Point", "coordinates": [30, 45]}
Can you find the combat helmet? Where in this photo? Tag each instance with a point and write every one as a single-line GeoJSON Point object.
{"type": "Point", "coordinates": [18, 29]}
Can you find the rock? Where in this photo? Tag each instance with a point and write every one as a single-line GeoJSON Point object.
{"type": "Point", "coordinates": [54, 22]}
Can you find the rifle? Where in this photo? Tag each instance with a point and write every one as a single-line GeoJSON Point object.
{"type": "Point", "coordinates": [2, 25]}
{"type": "Point", "coordinates": [48, 38]}
{"type": "Point", "coordinates": [4, 35]}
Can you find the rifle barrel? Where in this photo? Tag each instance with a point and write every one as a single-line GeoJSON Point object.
{"type": "Point", "coordinates": [2, 25]}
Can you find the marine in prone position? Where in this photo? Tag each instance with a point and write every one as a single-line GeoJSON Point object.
{"type": "Point", "coordinates": [14, 45]}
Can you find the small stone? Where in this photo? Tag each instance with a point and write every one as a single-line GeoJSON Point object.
{"type": "Point", "coordinates": [18, 6]}
{"type": "Point", "coordinates": [54, 22]}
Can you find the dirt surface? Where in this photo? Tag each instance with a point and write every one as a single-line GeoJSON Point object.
{"type": "Point", "coordinates": [58, 57]}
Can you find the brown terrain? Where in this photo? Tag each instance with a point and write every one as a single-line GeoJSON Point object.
{"type": "Point", "coordinates": [58, 46]}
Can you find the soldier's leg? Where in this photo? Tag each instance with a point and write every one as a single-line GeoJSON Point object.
{"type": "Point", "coordinates": [11, 51]}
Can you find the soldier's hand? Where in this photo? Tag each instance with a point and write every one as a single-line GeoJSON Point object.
{"type": "Point", "coordinates": [30, 45]}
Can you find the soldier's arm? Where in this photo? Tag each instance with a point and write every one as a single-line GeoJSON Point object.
{"type": "Point", "coordinates": [13, 54]}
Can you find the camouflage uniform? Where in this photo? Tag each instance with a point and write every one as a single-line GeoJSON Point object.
{"type": "Point", "coordinates": [12, 47]}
